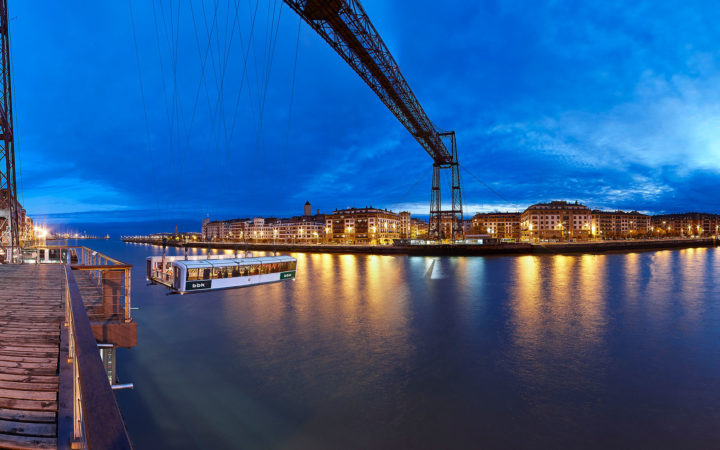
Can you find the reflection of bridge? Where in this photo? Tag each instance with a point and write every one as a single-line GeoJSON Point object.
{"type": "Point", "coordinates": [347, 28]}
{"type": "Point", "coordinates": [55, 386]}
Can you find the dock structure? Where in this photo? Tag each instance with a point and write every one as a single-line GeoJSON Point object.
{"type": "Point", "coordinates": [57, 352]}
{"type": "Point", "coordinates": [31, 317]}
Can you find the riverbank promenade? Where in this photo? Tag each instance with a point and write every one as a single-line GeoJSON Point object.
{"type": "Point", "coordinates": [445, 249]}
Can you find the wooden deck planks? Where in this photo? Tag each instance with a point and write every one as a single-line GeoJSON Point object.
{"type": "Point", "coordinates": [31, 314]}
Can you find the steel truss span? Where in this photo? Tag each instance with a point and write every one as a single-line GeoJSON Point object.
{"type": "Point", "coordinates": [9, 226]}
{"type": "Point", "coordinates": [347, 28]}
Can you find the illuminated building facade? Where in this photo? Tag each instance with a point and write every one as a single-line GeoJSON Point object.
{"type": "Point", "coordinates": [685, 224]}
{"type": "Point", "coordinates": [555, 221]}
{"type": "Point", "coordinates": [222, 230]}
{"type": "Point", "coordinates": [305, 229]}
{"type": "Point", "coordinates": [542, 222]}
{"type": "Point", "coordinates": [365, 226]}
{"type": "Point", "coordinates": [448, 221]}
{"type": "Point", "coordinates": [28, 232]}
{"type": "Point", "coordinates": [405, 224]}
{"type": "Point", "coordinates": [419, 228]}
{"type": "Point", "coordinates": [300, 230]}
{"type": "Point", "coordinates": [500, 225]}
{"type": "Point", "coordinates": [619, 224]}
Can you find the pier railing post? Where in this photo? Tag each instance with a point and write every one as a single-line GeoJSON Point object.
{"type": "Point", "coordinates": [127, 296]}
{"type": "Point", "coordinates": [96, 421]}
{"type": "Point", "coordinates": [77, 434]}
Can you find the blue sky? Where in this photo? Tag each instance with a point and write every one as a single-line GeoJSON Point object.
{"type": "Point", "coordinates": [613, 104]}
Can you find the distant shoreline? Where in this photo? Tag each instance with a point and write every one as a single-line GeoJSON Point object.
{"type": "Point", "coordinates": [75, 238]}
{"type": "Point", "coordinates": [453, 250]}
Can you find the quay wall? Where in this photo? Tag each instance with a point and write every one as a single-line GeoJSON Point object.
{"type": "Point", "coordinates": [452, 250]}
{"type": "Point", "coordinates": [624, 246]}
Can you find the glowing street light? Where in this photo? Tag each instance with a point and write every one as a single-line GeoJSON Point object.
{"type": "Point", "coordinates": [41, 233]}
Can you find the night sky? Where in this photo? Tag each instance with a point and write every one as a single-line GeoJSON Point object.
{"type": "Point", "coordinates": [615, 104]}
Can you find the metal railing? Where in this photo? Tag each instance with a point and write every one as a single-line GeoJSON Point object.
{"type": "Point", "coordinates": [88, 414]}
{"type": "Point", "coordinates": [111, 277]}
{"type": "Point", "coordinates": [104, 283]}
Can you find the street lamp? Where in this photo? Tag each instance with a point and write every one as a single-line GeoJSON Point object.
{"type": "Point", "coordinates": [530, 226]}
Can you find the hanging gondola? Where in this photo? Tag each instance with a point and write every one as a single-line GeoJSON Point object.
{"type": "Point", "coordinates": [200, 274]}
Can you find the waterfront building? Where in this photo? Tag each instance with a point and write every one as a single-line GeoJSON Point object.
{"type": "Point", "coordinates": [259, 230]}
{"type": "Point", "coordinates": [412, 227]}
{"type": "Point", "coordinates": [419, 228]}
{"type": "Point", "coordinates": [467, 226]}
{"type": "Point", "coordinates": [619, 224]}
{"type": "Point", "coordinates": [366, 226]}
{"type": "Point", "coordinates": [28, 232]}
{"type": "Point", "coordinates": [555, 221]}
{"type": "Point", "coordinates": [405, 228]}
{"type": "Point", "coordinates": [305, 229]}
{"type": "Point", "coordinates": [685, 224]}
{"type": "Point", "coordinates": [500, 225]}
{"type": "Point", "coordinates": [448, 221]}
{"type": "Point", "coordinates": [221, 230]}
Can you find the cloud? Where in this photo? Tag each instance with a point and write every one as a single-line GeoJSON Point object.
{"type": "Point", "coordinates": [69, 194]}
{"type": "Point", "coordinates": [668, 123]}
{"type": "Point", "coordinates": [644, 150]}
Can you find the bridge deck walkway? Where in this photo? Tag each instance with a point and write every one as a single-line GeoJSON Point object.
{"type": "Point", "coordinates": [31, 316]}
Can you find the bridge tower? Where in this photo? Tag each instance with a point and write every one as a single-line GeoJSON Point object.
{"type": "Point", "coordinates": [346, 27]}
{"type": "Point", "coordinates": [9, 205]}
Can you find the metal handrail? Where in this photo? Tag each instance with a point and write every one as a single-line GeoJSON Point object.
{"type": "Point", "coordinates": [96, 419]}
{"type": "Point", "coordinates": [88, 255]}
{"type": "Point", "coordinates": [98, 264]}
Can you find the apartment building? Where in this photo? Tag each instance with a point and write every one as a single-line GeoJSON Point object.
{"type": "Point", "coordinates": [368, 226]}
{"type": "Point", "coordinates": [500, 225]}
{"type": "Point", "coordinates": [619, 224]}
{"type": "Point", "coordinates": [555, 221]}
{"type": "Point", "coordinates": [685, 224]}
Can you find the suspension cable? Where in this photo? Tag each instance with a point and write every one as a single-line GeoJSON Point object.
{"type": "Point", "coordinates": [145, 114]}
{"type": "Point", "coordinates": [490, 188]}
{"type": "Point", "coordinates": [283, 167]}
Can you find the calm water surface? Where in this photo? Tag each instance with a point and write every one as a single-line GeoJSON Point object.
{"type": "Point", "coordinates": [363, 351]}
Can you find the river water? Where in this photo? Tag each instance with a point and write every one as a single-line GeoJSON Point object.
{"type": "Point", "coordinates": [363, 351]}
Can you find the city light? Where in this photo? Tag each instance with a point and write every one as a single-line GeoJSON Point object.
{"type": "Point", "coordinates": [41, 233]}
{"type": "Point", "coordinates": [544, 222]}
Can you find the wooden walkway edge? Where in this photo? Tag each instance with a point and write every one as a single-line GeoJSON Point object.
{"type": "Point", "coordinates": [31, 317]}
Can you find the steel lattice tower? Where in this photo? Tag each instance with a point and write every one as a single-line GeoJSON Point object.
{"type": "Point", "coordinates": [346, 27]}
{"type": "Point", "coordinates": [9, 206]}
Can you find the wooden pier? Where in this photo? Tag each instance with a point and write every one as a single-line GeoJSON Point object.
{"type": "Point", "coordinates": [31, 316]}
{"type": "Point", "coordinates": [55, 380]}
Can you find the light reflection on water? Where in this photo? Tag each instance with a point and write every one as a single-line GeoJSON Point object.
{"type": "Point", "coordinates": [364, 351]}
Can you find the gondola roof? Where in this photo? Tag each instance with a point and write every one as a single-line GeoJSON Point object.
{"type": "Point", "coordinates": [205, 263]}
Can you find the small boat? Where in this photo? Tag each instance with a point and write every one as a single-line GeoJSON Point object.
{"type": "Point", "coordinates": [202, 273]}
